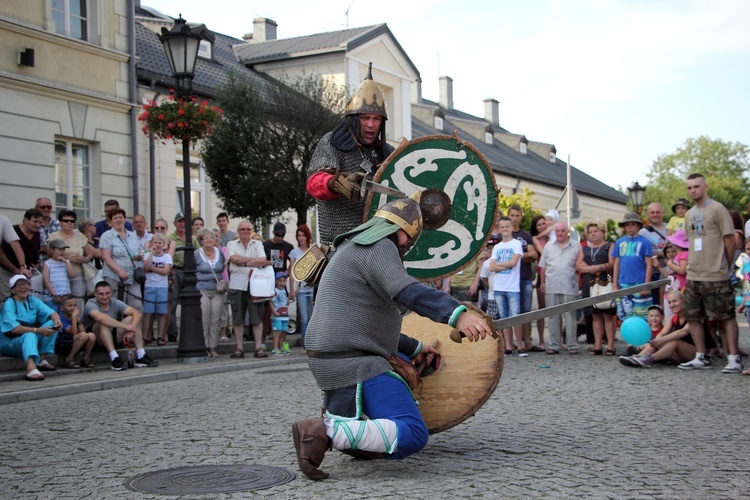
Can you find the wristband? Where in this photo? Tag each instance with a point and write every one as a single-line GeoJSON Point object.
{"type": "Point", "coordinates": [454, 317]}
{"type": "Point", "coordinates": [34, 329]}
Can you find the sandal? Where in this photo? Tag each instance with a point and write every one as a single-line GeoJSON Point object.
{"type": "Point", "coordinates": [552, 351]}
{"type": "Point", "coordinates": [161, 341]}
{"type": "Point", "coordinates": [45, 366]}
{"type": "Point", "coordinates": [239, 354]}
{"type": "Point", "coordinates": [260, 353]}
{"type": "Point", "coordinates": [85, 363]}
{"type": "Point", "coordinates": [508, 352]}
{"type": "Point", "coordinates": [71, 365]}
{"type": "Point", "coordinates": [34, 376]}
{"type": "Point", "coordinates": [610, 352]}
{"type": "Point", "coordinates": [595, 352]}
{"type": "Point", "coordinates": [536, 348]}
{"type": "Point", "coordinates": [573, 351]}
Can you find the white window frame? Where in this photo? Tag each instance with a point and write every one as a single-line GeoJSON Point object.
{"type": "Point", "coordinates": [438, 123]}
{"type": "Point", "coordinates": [522, 148]}
{"type": "Point", "coordinates": [195, 187]}
{"type": "Point", "coordinates": [488, 138]}
{"type": "Point", "coordinates": [69, 181]}
{"type": "Point", "coordinates": [66, 12]}
{"type": "Point", "coordinates": [205, 50]}
{"type": "Point", "coordinates": [552, 157]}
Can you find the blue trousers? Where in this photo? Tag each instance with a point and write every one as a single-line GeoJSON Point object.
{"type": "Point", "coordinates": [27, 346]}
{"type": "Point", "coordinates": [387, 397]}
{"type": "Point", "coordinates": [305, 309]}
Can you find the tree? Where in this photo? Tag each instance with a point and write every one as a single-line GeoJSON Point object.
{"type": "Point", "coordinates": [257, 160]}
{"type": "Point", "coordinates": [724, 164]}
{"type": "Point", "coordinates": [523, 199]}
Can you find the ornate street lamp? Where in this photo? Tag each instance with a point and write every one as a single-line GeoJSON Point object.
{"type": "Point", "coordinates": [181, 47]}
{"type": "Point", "coordinates": [636, 196]}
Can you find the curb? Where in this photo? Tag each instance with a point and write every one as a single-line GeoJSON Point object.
{"type": "Point", "coordinates": [162, 376]}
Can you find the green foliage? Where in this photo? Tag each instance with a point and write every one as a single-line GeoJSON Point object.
{"type": "Point", "coordinates": [613, 230]}
{"type": "Point", "coordinates": [725, 165]}
{"type": "Point", "coordinates": [524, 199]}
{"type": "Point", "coordinates": [257, 161]}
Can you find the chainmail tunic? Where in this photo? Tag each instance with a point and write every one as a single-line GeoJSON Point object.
{"type": "Point", "coordinates": [355, 309]}
{"type": "Point", "coordinates": [341, 214]}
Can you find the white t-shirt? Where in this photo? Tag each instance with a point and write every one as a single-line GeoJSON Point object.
{"type": "Point", "coordinates": [154, 280]}
{"type": "Point", "coordinates": [507, 280]}
{"type": "Point", "coordinates": [486, 273]}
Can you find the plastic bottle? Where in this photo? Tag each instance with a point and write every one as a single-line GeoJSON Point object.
{"type": "Point", "coordinates": [131, 357]}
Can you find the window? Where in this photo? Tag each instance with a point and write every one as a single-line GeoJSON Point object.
{"type": "Point", "coordinates": [438, 123]}
{"type": "Point", "coordinates": [552, 157]}
{"type": "Point", "coordinates": [522, 147]}
{"type": "Point", "coordinates": [488, 137]}
{"type": "Point", "coordinates": [72, 177]}
{"type": "Point", "coordinates": [71, 18]}
{"type": "Point", "coordinates": [197, 181]}
{"type": "Point", "coordinates": [205, 49]}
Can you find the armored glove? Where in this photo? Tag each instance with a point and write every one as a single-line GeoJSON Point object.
{"type": "Point", "coordinates": [347, 184]}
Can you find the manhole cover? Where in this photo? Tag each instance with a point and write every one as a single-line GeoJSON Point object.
{"type": "Point", "coordinates": [204, 479]}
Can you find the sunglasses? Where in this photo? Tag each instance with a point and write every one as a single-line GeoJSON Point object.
{"type": "Point", "coordinates": [160, 228]}
{"type": "Point", "coordinates": [244, 229]}
{"type": "Point", "coordinates": [68, 221]}
{"type": "Point", "coordinates": [46, 207]}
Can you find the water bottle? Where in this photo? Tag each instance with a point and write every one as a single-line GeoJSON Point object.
{"type": "Point", "coordinates": [627, 306]}
{"type": "Point", "coordinates": [131, 357]}
{"type": "Point", "coordinates": [620, 313]}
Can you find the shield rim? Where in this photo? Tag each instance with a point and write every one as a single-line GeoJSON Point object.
{"type": "Point", "coordinates": [406, 143]}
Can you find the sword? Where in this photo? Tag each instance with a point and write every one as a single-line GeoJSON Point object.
{"type": "Point", "coordinates": [528, 317]}
{"type": "Point", "coordinates": [368, 185]}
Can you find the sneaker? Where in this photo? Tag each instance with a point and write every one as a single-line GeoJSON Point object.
{"type": "Point", "coordinates": [733, 366]}
{"type": "Point", "coordinates": [286, 352]}
{"type": "Point", "coordinates": [631, 350]}
{"type": "Point", "coordinates": [277, 352]}
{"type": "Point", "coordinates": [117, 364]}
{"type": "Point", "coordinates": [644, 361]}
{"type": "Point", "coordinates": [701, 362]}
{"type": "Point", "coordinates": [285, 347]}
{"type": "Point", "coordinates": [146, 362]}
{"type": "Point", "coordinates": [522, 354]}
{"type": "Point", "coordinates": [628, 361]}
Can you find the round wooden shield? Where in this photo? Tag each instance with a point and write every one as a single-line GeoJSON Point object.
{"type": "Point", "coordinates": [448, 164]}
{"type": "Point", "coordinates": [468, 375]}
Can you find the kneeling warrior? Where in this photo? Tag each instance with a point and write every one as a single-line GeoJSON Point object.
{"type": "Point", "coordinates": [370, 410]}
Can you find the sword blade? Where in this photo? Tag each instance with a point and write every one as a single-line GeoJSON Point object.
{"type": "Point", "coordinates": [576, 304]}
{"type": "Point", "coordinates": [379, 188]}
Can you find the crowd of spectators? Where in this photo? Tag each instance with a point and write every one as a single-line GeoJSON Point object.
{"type": "Point", "coordinates": [69, 286]}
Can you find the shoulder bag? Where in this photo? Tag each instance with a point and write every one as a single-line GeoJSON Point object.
{"type": "Point", "coordinates": [221, 285]}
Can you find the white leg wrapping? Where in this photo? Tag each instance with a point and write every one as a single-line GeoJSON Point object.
{"type": "Point", "coordinates": [379, 435]}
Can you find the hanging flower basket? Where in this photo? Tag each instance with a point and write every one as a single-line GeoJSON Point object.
{"type": "Point", "coordinates": [177, 119]}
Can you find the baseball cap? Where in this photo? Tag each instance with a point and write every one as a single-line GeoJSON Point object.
{"type": "Point", "coordinates": [281, 274]}
{"type": "Point", "coordinates": [279, 228]}
{"type": "Point", "coordinates": [15, 279]}
{"type": "Point", "coordinates": [179, 217]}
{"type": "Point", "coordinates": [57, 243]}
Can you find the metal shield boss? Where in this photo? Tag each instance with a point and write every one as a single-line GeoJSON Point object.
{"type": "Point", "coordinates": [445, 168]}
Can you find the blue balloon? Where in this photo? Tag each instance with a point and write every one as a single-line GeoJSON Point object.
{"type": "Point", "coordinates": [635, 331]}
{"type": "Point", "coordinates": [738, 300]}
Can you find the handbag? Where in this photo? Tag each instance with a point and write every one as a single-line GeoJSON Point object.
{"type": "Point", "coordinates": [262, 284]}
{"type": "Point", "coordinates": [139, 274]}
{"type": "Point", "coordinates": [597, 288]}
{"type": "Point", "coordinates": [221, 285]}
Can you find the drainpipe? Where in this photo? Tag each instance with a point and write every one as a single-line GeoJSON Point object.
{"type": "Point", "coordinates": [133, 96]}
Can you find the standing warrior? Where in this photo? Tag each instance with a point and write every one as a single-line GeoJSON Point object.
{"type": "Point", "coordinates": [349, 358]}
{"type": "Point", "coordinates": [344, 156]}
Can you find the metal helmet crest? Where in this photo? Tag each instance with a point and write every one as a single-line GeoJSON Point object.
{"type": "Point", "coordinates": [368, 98]}
{"type": "Point", "coordinates": [405, 213]}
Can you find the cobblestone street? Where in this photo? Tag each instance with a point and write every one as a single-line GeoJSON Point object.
{"type": "Point", "coordinates": [583, 427]}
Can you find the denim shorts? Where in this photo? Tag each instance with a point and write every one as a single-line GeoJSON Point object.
{"type": "Point", "coordinates": [508, 303]}
{"type": "Point", "coordinates": [155, 300]}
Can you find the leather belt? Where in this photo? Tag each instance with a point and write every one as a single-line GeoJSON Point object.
{"type": "Point", "coordinates": [351, 353]}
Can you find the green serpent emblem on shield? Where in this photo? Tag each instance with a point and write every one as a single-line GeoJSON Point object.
{"type": "Point", "coordinates": [442, 164]}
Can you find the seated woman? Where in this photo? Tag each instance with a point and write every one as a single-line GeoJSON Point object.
{"type": "Point", "coordinates": [28, 328]}
{"type": "Point", "coordinates": [673, 344]}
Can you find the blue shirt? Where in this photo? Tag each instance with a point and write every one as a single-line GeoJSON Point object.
{"type": "Point", "coordinates": [632, 253]}
{"type": "Point", "coordinates": [33, 313]}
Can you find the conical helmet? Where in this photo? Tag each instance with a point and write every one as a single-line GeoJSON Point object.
{"type": "Point", "coordinates": [368, 98]}
{"type": "Point", "coordinates": [405, 213]}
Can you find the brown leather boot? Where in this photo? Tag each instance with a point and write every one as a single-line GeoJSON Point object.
{"type": "Point", "coordinates": [311, 443]}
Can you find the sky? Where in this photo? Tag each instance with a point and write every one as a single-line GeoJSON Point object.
{"type": "Point", "coordinates": [611, 83]}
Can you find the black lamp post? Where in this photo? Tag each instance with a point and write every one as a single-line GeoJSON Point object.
{"type": "Point", "coordinates": [636, 196]}
{"type": "Point", "coordinates": [181, 47]}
